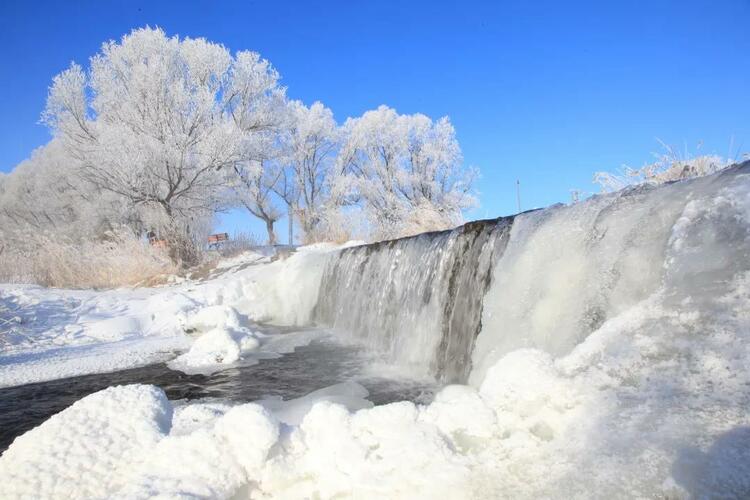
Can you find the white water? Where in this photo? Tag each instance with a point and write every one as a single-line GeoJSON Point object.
{"type": "Point", "coordinates": [418, 300]}
{"type": "Point", "coordinates": [552, 276]}
{"type": "Point", "coordinates": [567, 270]}
{"type": "Point", "coordinates": [612, 361]}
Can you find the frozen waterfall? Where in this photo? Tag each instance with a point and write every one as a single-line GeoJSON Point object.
{"type": "Point", "coordinates": [417, 299]}
{"type": "Point", "coordinates": [452, 303]}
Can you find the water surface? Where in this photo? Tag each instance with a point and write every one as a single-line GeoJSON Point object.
{"type": "Point", "coordinates": [322, 363]}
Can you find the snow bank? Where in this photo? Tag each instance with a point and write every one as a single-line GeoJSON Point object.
{"type": "Point", "coordinates": [248, 257]}
{"type": "Point", "coordinates": [64, 333]}
{"type": "Point", "coordinates": [87, 450]}
{"type": "Point", "coordinates": [283, 292]}
{"type": "Point", "coordinates": [644, 396]}
{"type": "Point", "coordinates": [74, 360]}
{"type": "Point", "coordinates": [57, 333]}
{"type": "Point", "coordinates": [652, 404]}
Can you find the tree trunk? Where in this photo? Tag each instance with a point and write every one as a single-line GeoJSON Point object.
{"type": "Point", "coordinates": [180, 246]}
{"type": "Point", "coordinates": [271, 234]}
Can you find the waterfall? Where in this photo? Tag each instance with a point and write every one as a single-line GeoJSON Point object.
{"type": "Point", "coordinates": [569, 269]}
{"type": "Point", "coordinates": [451, 303]}
{"type": "Point", "coordinates": [418, 300]}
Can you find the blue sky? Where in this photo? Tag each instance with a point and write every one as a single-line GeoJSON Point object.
{"type": "Point", "coordinates": [543, 92]}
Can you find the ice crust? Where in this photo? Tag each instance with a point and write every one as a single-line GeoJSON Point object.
{"type": "Point", "coordinates": [647, 398]}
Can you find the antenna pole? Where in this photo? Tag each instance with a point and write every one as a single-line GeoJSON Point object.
{"type": "Point", "coordinates": [291, 225]}
{"type": "Point", "coordinates": [518, 194]}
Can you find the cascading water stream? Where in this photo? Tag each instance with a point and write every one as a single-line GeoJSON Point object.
{"type": "Point", "coordinates": [416, 299]}
{"type": "Point", "coordinates": [569, 269]}
{"type": "Point", "coordinates": [452, 303]}
{"type": "Point", "coordinates": [605, 343]}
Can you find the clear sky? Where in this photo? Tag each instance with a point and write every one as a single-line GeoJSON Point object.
{"type": "Point", "coordinates": [543, 92]}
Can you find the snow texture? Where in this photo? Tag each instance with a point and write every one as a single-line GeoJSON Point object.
{"type": "Point", "coordinates": [647, 398]}
{"type": "Point", "coordinates": [55, 333]}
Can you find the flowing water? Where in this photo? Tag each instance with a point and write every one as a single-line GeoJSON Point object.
{"type": "Point", "coordinates": [320, 364]}
{"type": "Point", "coordinates": [417, 299]}
{"type": "Point", "coordinates": [450, 304]}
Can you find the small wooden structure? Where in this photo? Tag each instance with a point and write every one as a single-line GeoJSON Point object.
{"type": "Point", "coordinates": [216, 239]}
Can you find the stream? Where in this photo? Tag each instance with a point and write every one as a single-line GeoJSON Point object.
{"type": "Point", "coordinates": [322, 363]}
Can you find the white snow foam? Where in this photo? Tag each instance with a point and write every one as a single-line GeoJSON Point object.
{"type": "Point", "coordinates": [617, 386]}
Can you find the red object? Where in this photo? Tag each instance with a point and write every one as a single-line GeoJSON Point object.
{"type": "Point", "coordinates": [216, 238]}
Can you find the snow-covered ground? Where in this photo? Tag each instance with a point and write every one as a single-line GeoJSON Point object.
{"type": "Point", "coordinates": [54, 333]}
{"type": "Point", "coordinates": [653, 402]}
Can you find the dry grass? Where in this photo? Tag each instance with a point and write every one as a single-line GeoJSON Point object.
{"type": "Point", "coordinates": [121, 260]}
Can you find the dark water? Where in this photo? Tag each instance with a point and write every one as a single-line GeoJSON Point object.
{"type": "Point", "coordinates": [308, 368]}
{"type": "Point", "coordinates": [418, 300]}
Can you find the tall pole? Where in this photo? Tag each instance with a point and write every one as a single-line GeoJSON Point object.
{"type": "Point", "coordinates": [518, 194]}
{"type": "Point", "coordinates": [291, 226]}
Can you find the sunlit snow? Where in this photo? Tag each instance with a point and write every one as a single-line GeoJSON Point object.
{"type": "Point", "coordinates": [613, 361]}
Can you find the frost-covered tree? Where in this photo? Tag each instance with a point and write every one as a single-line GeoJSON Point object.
{"type": "Point", "coordinates": [56, 229]}
{"type": "Point", "coordinates": [310, 144]}
{"type": "Point", "coordinates": [406, 171]}
{"type": "Point", "coordinates": [669, 165]}
{"type": "Point", "coordinates": [253, 184]}
{"type": "Point", "coordinates": [45, 194]}
{"type": "Point", "coordinates": [160, 121]}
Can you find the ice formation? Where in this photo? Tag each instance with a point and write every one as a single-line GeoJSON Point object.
{"type": "Point", "coordinates": [417, 299]}
{"type": "Point", "coordinates": [612, 359]}
{"type": "Point", "coordinates": [221, 339]}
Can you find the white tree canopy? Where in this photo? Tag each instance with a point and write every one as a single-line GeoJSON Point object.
{"type": "Point", "coordinates": [406, 170]}
{"type": "Point", "coordinates": [310, 145]}
{"type": "Point", "coordinates": [181, 128]}
{"type": "Point", "coordinates": [44, 194]}
{"type": "Point", "coordinates": [157, 119]}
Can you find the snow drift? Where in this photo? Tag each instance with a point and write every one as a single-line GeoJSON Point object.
{"type": "Point", "coordinates": [608, 357]}
{"type": "Point", "coordinates": [58, 333]}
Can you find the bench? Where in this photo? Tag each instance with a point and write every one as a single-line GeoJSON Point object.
{"type": "Point", "coordinates": [215, 239]}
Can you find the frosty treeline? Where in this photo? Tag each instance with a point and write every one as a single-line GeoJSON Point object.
{"type": "Point", "coordinates": [159, 134]}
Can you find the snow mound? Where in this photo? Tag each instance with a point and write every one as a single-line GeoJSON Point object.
{"type": "Point", "coordinates": [86, 450]}
{"type": "Point", "coordinates": [213, 461]}
{"type": "Point", "coordinates": [214, 349]}
{"type": "Point", "coordinates": [223, 340]}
